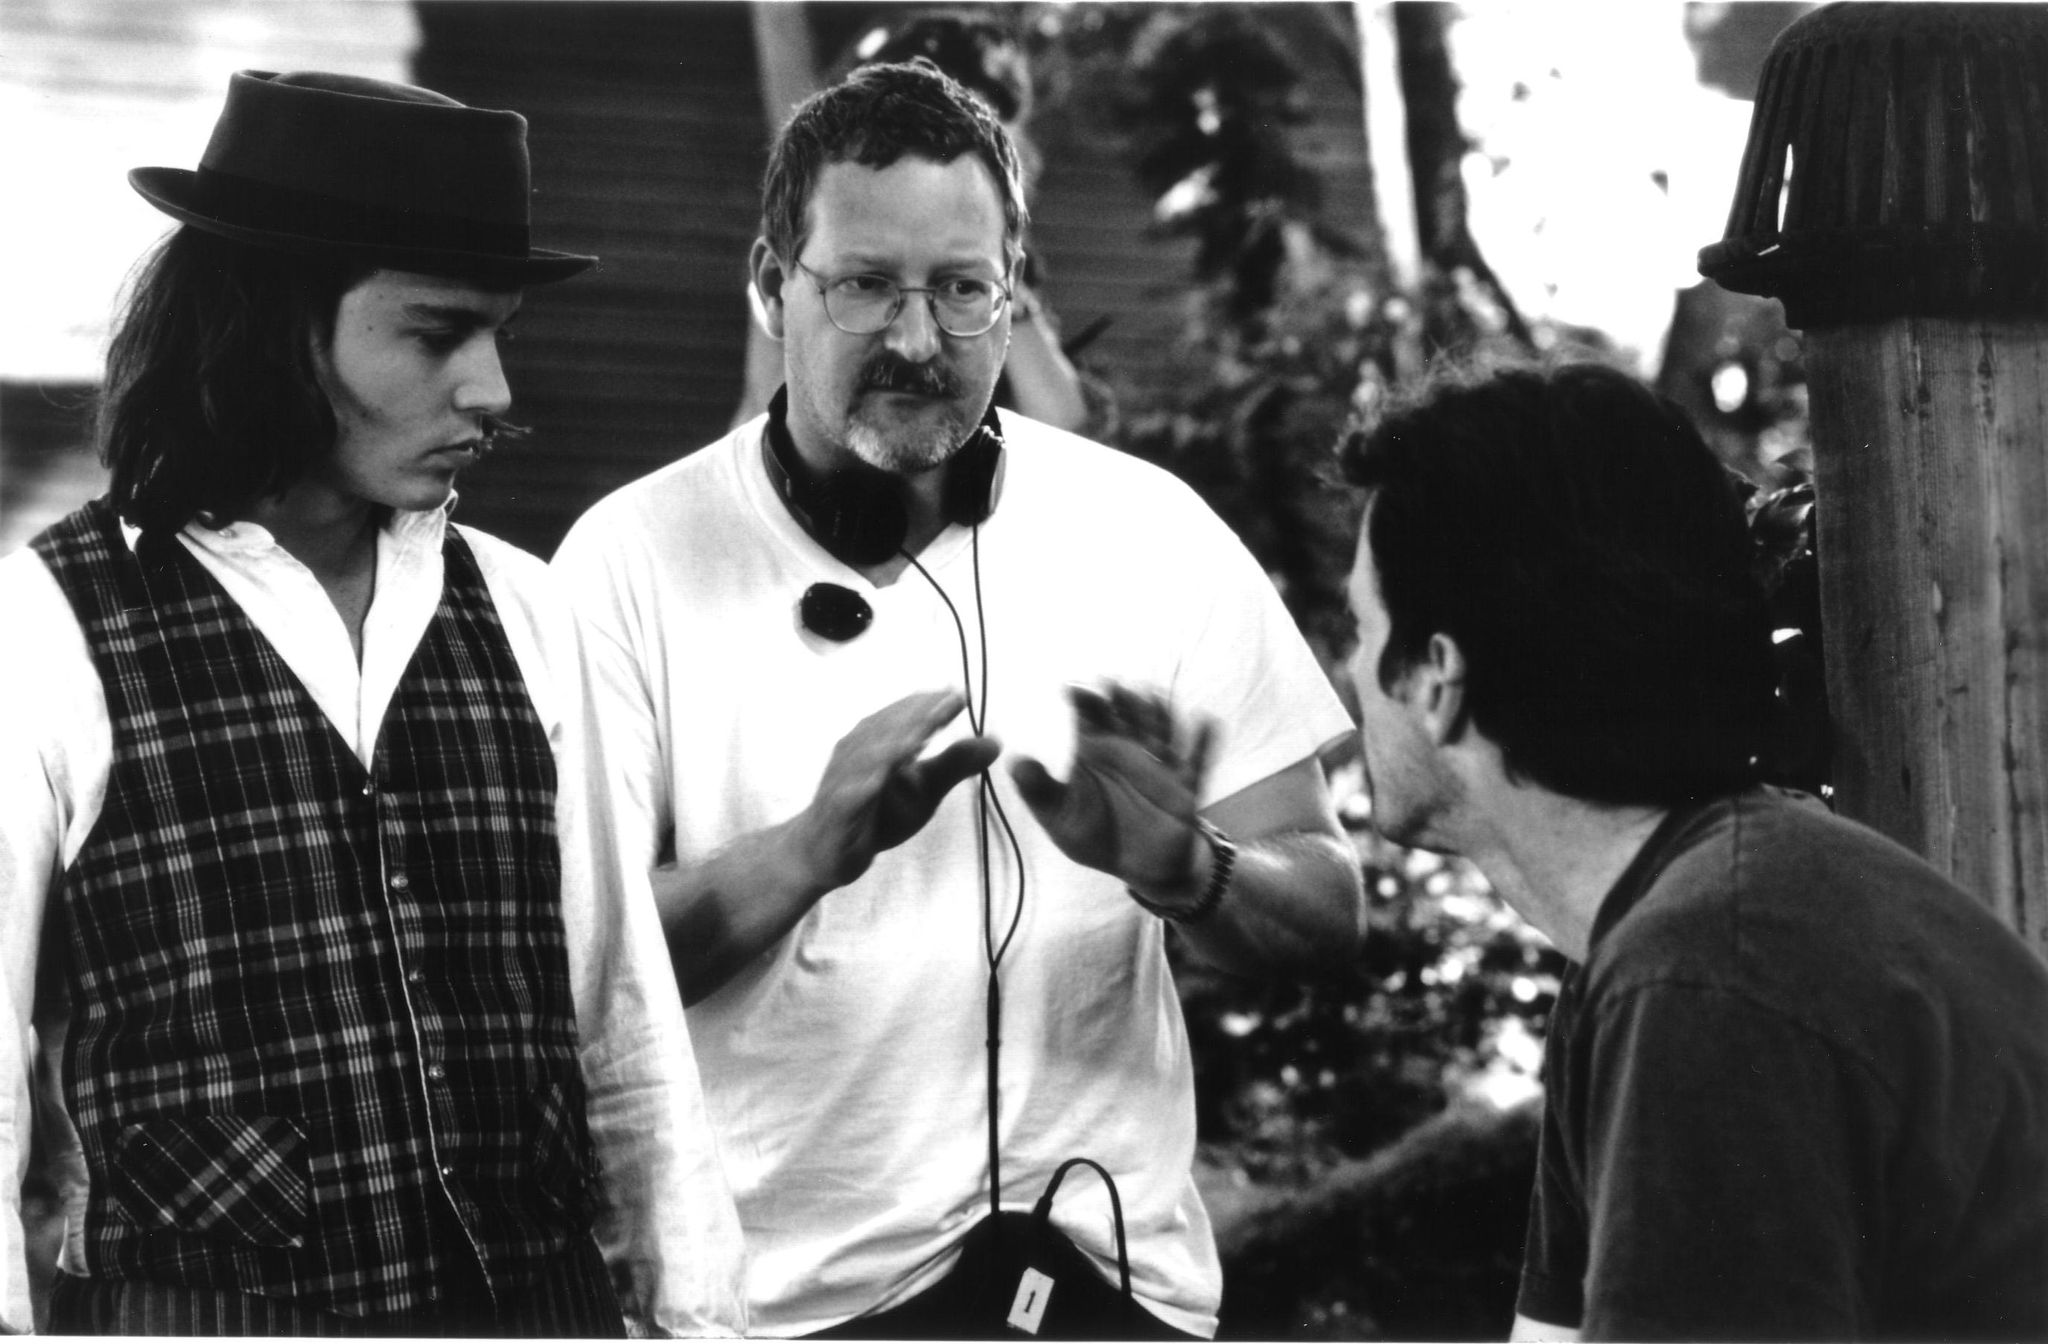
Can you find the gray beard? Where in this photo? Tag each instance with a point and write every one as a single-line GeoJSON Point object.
{"type": "Point", "coordinates": [903, 452]}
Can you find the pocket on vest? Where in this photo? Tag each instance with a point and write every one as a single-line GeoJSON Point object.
{"type": "Point", "coordinates": [563, 1160]}
{"type": "Point", "coordinates": [232, 1176]}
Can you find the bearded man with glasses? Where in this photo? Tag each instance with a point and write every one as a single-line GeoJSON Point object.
{"type": "Point", "coordinates": [913, 1002]}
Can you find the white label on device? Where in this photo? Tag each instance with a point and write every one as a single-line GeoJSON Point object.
{"type": "Point", "coordinates": [1034, 1290]}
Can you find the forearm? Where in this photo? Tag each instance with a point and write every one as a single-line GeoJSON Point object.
{"type": "Point", "coordinates": [721, 912]}
{"type": "Point", "coordinates": [1294, 907]}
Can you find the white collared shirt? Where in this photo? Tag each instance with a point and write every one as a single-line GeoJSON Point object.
{"type": "Point", "coordinates": [670, 1230]}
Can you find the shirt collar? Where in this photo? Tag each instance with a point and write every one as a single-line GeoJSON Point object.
{"type": "Point", "coordinates": [409, 529]}
{"type": "Point", "coordinates": [1642, 871]}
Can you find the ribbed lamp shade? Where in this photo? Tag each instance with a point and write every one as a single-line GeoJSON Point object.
{"type": "Point", "coordinates": [1897, 164]}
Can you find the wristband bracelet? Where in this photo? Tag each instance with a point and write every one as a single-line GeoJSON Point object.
{"type": "Point", "coordinates": [1225, 859]}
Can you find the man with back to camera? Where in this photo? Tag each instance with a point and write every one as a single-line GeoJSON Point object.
{"type": "Point", "coordinates": [1797, 1081]}
{"type": "Point", "coordinates": [784, 625]}
{"type": "Point", "coordinates": [345, 1025]}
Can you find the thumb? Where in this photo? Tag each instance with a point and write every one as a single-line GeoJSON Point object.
{"type": "Point", "coordinates": [967, 757]}
{"type": "Point", "coordinates": [1041, 792]}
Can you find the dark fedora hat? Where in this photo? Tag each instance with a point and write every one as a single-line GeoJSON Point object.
{"type": "Point", "coordinates": [399, 176]}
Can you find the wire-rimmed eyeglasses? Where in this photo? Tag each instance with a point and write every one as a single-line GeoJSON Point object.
{"type": "Point", "coordinates": [863, 304]}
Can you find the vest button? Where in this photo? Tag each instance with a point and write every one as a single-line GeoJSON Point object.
{"type": "Point", "coordinates": [415, 976]}
{"type": "Point", "coordinates": [436, 1072]}
{"type": "Point", "coordinates": [400, 882]}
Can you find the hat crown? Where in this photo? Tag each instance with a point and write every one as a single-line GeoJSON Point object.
{"type": "Point", "coordinates": [335, 82]}
{"type": "Point", "coordinates": [402, 176]}
{"type": "Point", "coordinates": [373, 144]}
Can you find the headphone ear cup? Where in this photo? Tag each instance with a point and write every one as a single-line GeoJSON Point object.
{"type": "Point", "coordinates": [974, 478]}
{"type": "Point", "coordinates": [859, 518]}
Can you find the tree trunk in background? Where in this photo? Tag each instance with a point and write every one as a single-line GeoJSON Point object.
{"type": "Point", "coordinates": [1456, 315]}
{"type": "Point", "coordinates": [784, 54]}
{"type": "Point", "coordinates": [1386, 140]}
{"type": "Point", "coordinates": [782, 50]}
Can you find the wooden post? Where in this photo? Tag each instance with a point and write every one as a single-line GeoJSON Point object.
{"type": "Point", "coordinates": [1931, 450]}
{"type": "Point", "coordinates": [1894, 194]}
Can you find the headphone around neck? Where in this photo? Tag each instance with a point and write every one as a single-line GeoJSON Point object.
{"type": "Point", "coordinates": [860, 515]}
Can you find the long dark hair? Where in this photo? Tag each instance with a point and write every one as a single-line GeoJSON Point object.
{"type": "Point", "coordinates": [212, 398]}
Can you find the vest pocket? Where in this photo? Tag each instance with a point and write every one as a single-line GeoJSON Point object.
{"type": "Point", "coordinates": [564, 1163]}
{"type": "Point", "coordinates": [243, 1178]}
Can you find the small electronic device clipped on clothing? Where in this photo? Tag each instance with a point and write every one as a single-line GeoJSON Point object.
{"type": "Point", "coordinates": [1034, 1293]}
{"type": "Point", "coordinates": [834, 611]}
{"type": "Point", "coordinates": [1094, 1310]}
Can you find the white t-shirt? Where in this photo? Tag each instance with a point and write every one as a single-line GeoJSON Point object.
{"type": "Point", "coordinates": [844, 1069]}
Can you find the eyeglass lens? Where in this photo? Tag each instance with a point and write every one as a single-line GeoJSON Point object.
{"type": "Point", "coordinates": [865, 304]}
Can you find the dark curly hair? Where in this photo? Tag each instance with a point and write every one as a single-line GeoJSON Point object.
{"type": "Point", "coordinates": [1570, 530]}
{"type": "Point", "coordinates": [874, 117]}
{"type": "Point", "coordinates": [212, 398]}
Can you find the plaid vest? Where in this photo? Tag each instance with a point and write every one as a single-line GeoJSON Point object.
{"type": "Point", "coordinates": [321, 1042]}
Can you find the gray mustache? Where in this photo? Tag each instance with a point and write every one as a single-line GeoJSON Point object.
{"type": "Point", "coordinates": [896, 375]}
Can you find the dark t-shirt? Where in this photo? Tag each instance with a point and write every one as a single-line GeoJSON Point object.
{"type": "Point", "coordinates": [1799, 1089]}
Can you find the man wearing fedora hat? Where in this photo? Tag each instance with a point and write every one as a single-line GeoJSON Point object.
{"type": "Point", "coordinates": [344, 1024]}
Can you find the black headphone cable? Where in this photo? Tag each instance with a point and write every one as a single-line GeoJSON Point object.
{"type": "Point", "coordinates": [993, 949]}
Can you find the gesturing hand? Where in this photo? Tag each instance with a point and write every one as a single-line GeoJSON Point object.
{"type": "Point", "coordinates": [1128, 806]}
{"type": "Point", "coordinates": [876, 793]}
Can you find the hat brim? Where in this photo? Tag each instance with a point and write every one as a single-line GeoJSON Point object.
{"type": "Point", "coordinates": [170, 190]}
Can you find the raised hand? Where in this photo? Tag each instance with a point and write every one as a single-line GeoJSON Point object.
{"type": "Point", "coordinates": [876, 793]}
{"type": "Point", "coordinates": [1128, 806]}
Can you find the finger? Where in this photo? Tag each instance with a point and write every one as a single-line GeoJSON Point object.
{"type": "Point", "coordinates": [1092, 710]}
{"type": "Point", "coordinates": [1121, 761]}
{"type": "Point", "coordinates": [1040, 791]}
{"type": "Point", "coordinates": [1199, 753]}
{"type": "Point", "coordinates": [923, 712]}
{"type": "Point", "coordinates": [1146, 719]}
{"type": "Point", "coordinates": [941, 708]}
{"type": "Point", "coordinates": [968, 757]}
{"type": "Point", "coordinates": [899, 731]}
{"type": "Point", "coordinates": [1160, 728]}
{"type": "Point", "coordinates": [1127, 711]}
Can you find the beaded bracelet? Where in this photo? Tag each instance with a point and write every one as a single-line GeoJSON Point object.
{"type": "Point", "coordinates": [1225, 852]}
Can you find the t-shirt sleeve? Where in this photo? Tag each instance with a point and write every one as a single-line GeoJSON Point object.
{"type": "Point", "coordinates": [1730, 1154]}
{"type": "Point", "coordinates": [1554, 1254]}
{"type": "Point", "coordinates": [1247, 666]}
